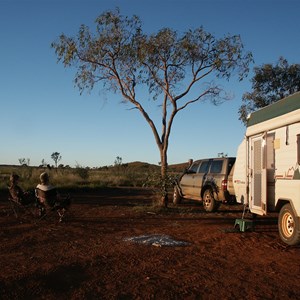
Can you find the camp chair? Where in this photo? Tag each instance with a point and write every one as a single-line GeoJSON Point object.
{"type": "Point", "coordinates": [52, 202]}
{"type": "Point", "coordinates": [24, 207]}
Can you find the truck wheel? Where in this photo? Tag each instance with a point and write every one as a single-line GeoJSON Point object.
{"type": "Point", "coordinates": [176, 196]}
{"type": "Point", "coordinates": [288, 225]}
{"type": "Point", "coordinates": [209, 202]}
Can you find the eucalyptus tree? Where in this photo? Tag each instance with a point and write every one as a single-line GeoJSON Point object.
{"type": "Point", "coordinates": [270, 83]}
{"type": "Point", "coordinates": [56, 157]}
{"type": "Point", "coordinates": [176, 69]}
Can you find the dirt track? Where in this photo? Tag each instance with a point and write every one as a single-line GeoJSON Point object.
{"type": "Point", "coordinates": [87, 256]}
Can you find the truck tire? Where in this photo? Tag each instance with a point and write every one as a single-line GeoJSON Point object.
{"type": "Point", "coordinates": [288, 225]}
{"type": "Point", "coordinates": [176, 196]}
{"type": "Point", "coordinates": [209, 202]}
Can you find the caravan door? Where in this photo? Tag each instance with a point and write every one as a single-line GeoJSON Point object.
{"type": "Point", "coordinates": [257, 174]}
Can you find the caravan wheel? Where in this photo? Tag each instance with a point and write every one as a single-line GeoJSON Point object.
{"type": "Point", "coordinates": [288, 225]}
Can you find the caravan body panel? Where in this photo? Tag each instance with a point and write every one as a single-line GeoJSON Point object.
{"type": "Point", "coordinates": [240, 174]}
{"type": "Point", "coordinates": [267, 163]}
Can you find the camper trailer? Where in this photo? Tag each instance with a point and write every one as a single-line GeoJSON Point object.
{"type": "Point", "coordinates": [267, 169]}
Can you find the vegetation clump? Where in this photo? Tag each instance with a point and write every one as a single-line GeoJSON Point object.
{"type": "Point", "coordinates": [136, 174]}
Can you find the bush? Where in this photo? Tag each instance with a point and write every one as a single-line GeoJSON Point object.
{"type": "Point", "coordinates": [83, 173]}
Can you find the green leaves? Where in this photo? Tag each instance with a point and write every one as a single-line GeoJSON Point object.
{"type": "Point", "coordinates": [121, 56]}
{"type": "Point", "coordinates": [270, 83]}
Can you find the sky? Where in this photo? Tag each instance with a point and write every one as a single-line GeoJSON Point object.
{"type": "Point", "coordinates": [43, 112]}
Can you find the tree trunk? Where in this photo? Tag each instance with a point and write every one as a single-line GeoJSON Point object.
{"type": "Point", "coordinates": [164, 188]}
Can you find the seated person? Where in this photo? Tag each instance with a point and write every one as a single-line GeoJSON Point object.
{"type": "Point", "coordinates": [45, 183]}
{"type": "Point", "coordinates": [16, 192]}
{"type": "Point", "coordinates": [47, 193]}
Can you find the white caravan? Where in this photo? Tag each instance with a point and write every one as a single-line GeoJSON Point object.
{"type": "Point", "coordinates": [267, 169]}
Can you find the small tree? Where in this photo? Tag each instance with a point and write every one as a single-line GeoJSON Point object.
{"type": "Point", "coordinates": [24, 161]}
{"type": "Point", "coordinates": [118, 161]}
{"type": "Point", "coordinates": [270, 83]}
{"type": "Point", "coordinates": [56, 157]}
{"type": "Point", "coordinates": [118, 165]}
{"type": "Point", "coordinates": [44, 163]}
{"type": "Point", "coordinates": [171, 66]}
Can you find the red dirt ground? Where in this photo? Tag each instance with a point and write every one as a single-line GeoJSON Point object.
{"type": "Point", "coordinates": [87, 256]}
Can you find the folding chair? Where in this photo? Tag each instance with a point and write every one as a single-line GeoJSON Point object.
{"type": "Point", "coordinates": [22, 207]}
{"type": "Point", "coordinates": [52, 202]}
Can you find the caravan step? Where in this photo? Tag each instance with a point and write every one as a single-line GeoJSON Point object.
{"type": "Point", "coordinates": [244, 224]}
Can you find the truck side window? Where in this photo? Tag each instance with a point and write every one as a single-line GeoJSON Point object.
{"type": "Point", "coordinates": [204, 167]}
{"type": "Point", "coordinates": [194, 167]}
{"type": "Point", "coordinates": [298, 149]}
{"type": "Point", "coordinates": [216, 166]}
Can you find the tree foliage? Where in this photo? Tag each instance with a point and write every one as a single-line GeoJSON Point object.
{"type": "Point", "coordinates": [56, 157]}
{"type": "Point", "coordinates": [24, 161]}
{"type": "Point", "coordinates": [270, 83]}
{"type": "Point", "coordinates": [177, 69]}
{"type": "Point", "coordinates": [118, 161]}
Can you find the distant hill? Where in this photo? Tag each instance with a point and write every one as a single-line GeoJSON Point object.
{"type": "Point", "coordinates": [140, 164]}
{"type": "Point", "coordinates": [178, 167]}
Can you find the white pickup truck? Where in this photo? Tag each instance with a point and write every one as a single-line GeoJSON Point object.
{"type": "Point", "coordinates": [206, 180]}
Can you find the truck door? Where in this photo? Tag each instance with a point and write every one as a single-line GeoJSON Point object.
{"type": "Point", "coordinates": [187, 180]}
{"type": "Point", "coordinates": [200, 177]}
{"type": "Point", "coordinates": [258, 175]}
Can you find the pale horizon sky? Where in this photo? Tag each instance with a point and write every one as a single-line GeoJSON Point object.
{"type": "Point", "coordinates": [42, 112]}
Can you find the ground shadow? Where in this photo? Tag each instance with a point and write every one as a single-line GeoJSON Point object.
{"type": "Point", "coordinates": [59, 282]}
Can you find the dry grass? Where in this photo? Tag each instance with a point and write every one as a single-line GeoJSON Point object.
{"type": "Point", "coordinates": [134, 175]}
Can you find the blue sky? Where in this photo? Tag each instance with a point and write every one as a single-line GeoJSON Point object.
{"type": "Point", "coordinates": [42, 112]}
